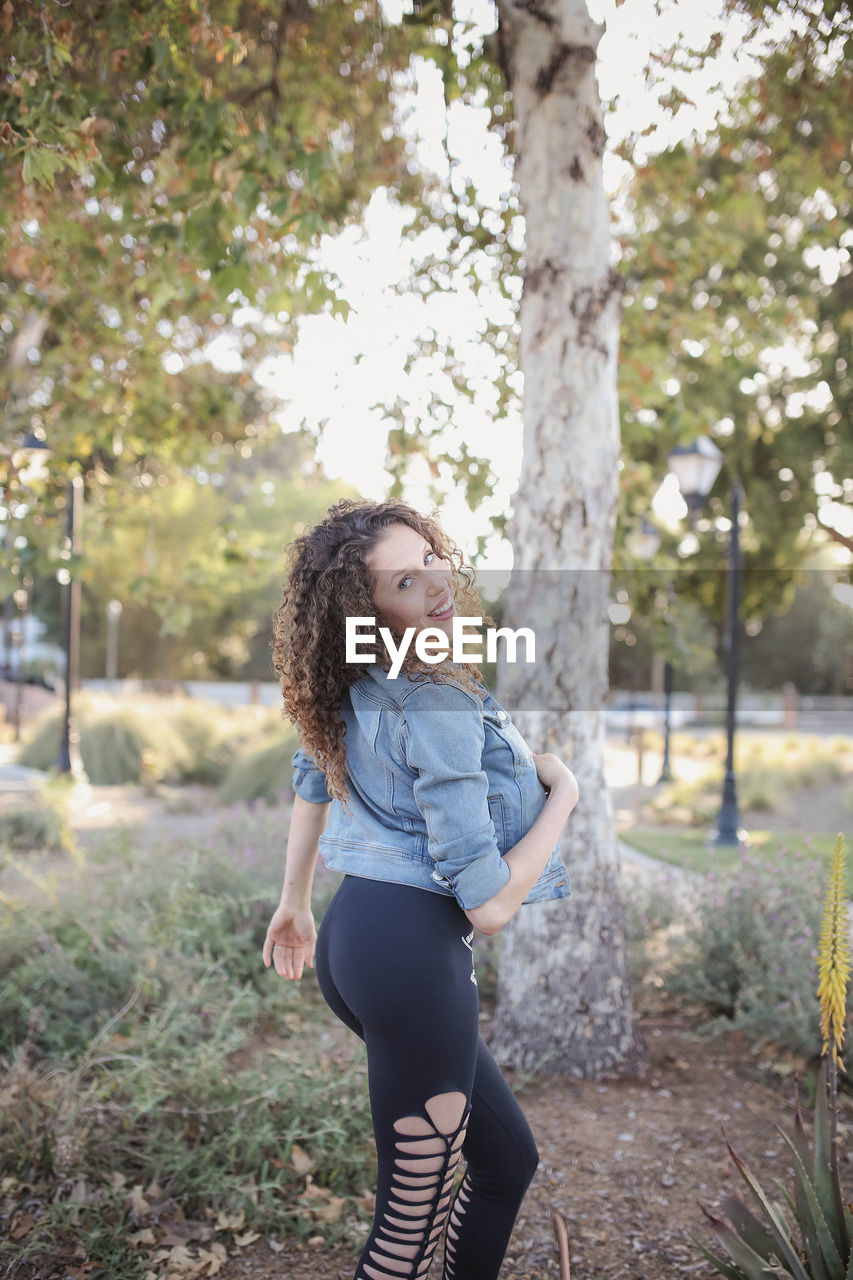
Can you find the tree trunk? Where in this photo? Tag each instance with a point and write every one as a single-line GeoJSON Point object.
{"type": "Point", "coordinates": [564, 997]}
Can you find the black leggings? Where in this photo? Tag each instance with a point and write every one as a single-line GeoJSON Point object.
{"type": "Point", "coordinates": [395, 964]}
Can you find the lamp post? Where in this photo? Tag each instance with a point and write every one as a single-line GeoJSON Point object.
{"type": "Point", "coordinates": [35, 447]}
{"type": "Point", "coordinates": [643, 544]}
{"type": "Point", "coordinates": [666, 774]}
{"type": "Point", "coordinates": [113, 616]}
{"type": "Point", "coordinates": [696, 468]}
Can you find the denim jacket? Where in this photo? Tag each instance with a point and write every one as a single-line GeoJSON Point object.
{"type": "Point", "coordinates": [441, 785]}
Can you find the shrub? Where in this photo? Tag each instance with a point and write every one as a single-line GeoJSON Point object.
{"type": "Point", "coordinates": [263, 774]}
{"type": "Point", "coordinates": [113, 738]}
{"type": "Point", "coordinates": [143, 1042]}
{"type": "Point", "coordinates": [768, 769]}
{"type": "Point", "coordinates": [172, 740]}
{"type": "Point", "coordinates": [655, 912]}
{"type": "Point", "coordinates": [35, 823]}
{"type": "Point", "coordinates": [750, 949]}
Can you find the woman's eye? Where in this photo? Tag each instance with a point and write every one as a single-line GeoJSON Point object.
{"type": "Point", "coordinates": [401, 585]}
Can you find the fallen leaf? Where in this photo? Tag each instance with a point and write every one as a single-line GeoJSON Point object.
{"type": "Point", "coordinates": [249, 1238]}
{"type": "Point", "coordinates": [231, 1221]}
{"type": "Point", "coordinates": [179, 1261]}
{"type": "Point", "coordinates": [138, 1205]}
{"type": "Point", "coordinates": [214, 1259]}
{"type": "Point", "coordinates": [300, 1160]}
{"type": "Point", "coordinates": [145, 1236]}
{"type": "Point", "coordinates": [331, 1211]}
{"type": "Point", "coordinates": [23, 1225]}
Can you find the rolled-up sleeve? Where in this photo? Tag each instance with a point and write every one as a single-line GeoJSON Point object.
{"type": "Point", "coordinates": [309, 782]}
{"type": "Point", "coordinates": [443, 737]}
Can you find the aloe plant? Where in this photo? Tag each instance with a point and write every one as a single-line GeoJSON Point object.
{"type": "Point", "coordinates": [767, 1246]}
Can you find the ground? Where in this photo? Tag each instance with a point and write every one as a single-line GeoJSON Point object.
{"type": "Point", "coordinates": [625, 1161]}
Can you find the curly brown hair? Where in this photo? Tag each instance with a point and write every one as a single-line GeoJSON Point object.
{"type": "Point", "coordinates": [309, 627]}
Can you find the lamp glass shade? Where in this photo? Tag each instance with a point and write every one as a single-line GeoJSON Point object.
{"type": "Point", "coordinates": [30, 455]}
{"type": "Point", "coordinates": [35, 440]}
{"type": "Point", "coordinates": [696, 466]}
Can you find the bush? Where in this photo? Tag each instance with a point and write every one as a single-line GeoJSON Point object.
{"type": "Point", "coordinates": [36, 823]}
{"type": "Point", "coordinates": [656, 909]}
{"type": "Point", "coordinates": [768, 770]}
{"type": "Point", "coordinates": [173, 740]}
{"type": "Point", "coordinates": [143, 1043]}
{"type": "Point", "coordinates": [749, 950]}
{"type": "Point", "coordinates": [113, 738]}
{"type": "Point", "coordinates": [264, 774]}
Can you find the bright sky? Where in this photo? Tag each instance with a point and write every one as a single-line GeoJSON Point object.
{"type": "Point", "coordinates": [340, 370]}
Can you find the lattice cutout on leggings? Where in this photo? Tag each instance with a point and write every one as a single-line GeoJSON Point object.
{"type": "Point", "coordinates": [460, 1204]}
{"type": "Point", "coordinates": [427, 1152]}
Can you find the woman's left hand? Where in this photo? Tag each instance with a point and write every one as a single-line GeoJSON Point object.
{"type": "Point", "coordinates": [289, 944]}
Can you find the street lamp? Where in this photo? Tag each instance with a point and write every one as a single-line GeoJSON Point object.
{"type": "Point", "coordinates": [696, 468]}
{"type": "Point", "coordinates": [30, 454]}
{"type": "Point", "coordinates": [113, 616]}
{"type": "Point", "coordinates": [643, 543]}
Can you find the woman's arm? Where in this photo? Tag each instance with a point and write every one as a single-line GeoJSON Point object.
{"type": "Point", "coordinates": [292, 931]}
{"type": "Point", "coordinates": [307, 823]}
{"type": "Point", "coordinates": [527, 859]}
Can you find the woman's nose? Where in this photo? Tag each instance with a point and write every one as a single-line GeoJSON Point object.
{"type": "Point", "coordinates": [437, 585]}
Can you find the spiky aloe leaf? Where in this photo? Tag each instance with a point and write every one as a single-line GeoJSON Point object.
{"type": "Point", "coordinates": [751, 1228]}
{"type": "Point", "coordinates": [813, 1224]}
{"type": "Point", "coordinates": [802, 1215]}
{"type": "Point", "coordinates": [781, 1232]}
{"type": "Point", "coordinates": [828, 1193]}
{"type": "Point", "coordinates": [752, 1265]}
{"type": "Point", "coordinates": [725, 1268]}
{"type": "Point", "coordinates": [800, 1137]}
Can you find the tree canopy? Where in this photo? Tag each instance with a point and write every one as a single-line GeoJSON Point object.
{"type": "Point", "coordinates": [166, 170]}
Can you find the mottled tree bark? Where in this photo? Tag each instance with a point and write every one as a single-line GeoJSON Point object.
{"type": "Point", "coordinates": [564, 998]}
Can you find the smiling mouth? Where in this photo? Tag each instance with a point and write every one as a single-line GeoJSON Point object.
{"type": "Point", "coordinates": [445, 608]}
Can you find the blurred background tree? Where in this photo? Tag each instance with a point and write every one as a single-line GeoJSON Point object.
{"type": "Point", "coordinates": [737, 318]}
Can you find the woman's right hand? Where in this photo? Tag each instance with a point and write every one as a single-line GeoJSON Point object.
{"type": "Point", "coordinates": [289, 944]}
{"type": "Point", "coordinates": [554, 774]}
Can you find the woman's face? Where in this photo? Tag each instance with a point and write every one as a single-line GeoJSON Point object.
{"type": "Point", "coordinates": [410, 582]}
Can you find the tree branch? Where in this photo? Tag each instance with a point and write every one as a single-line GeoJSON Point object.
{"type": "Point", "coordinates": [835, 535]}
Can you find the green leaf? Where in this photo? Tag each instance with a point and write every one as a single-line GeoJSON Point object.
{"type": "Point", "coordinates": [161, 294]}
{"type": "Point", "coordinates": [822, 1157]}
{"type": "Point", "coordinates": [778, 1225]}
{"type": "Point", "coordinates": [246, 195]}
{"type": "Point", "coordinates": [725, 1268]}
{"type": "Point", "coordinates": [816, 1234]}
{"type": "Point", "coordinates": [751, 1228]}
{"type": "Point", "coordinates": [41, 164]}
{"type": "Point", "coordinates": [848, 1275]}
{"type": "Point", "coordinates": [753, 1266]}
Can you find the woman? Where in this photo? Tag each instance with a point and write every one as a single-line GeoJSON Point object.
{"type": "Point", "coordinates": [444, 823]}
